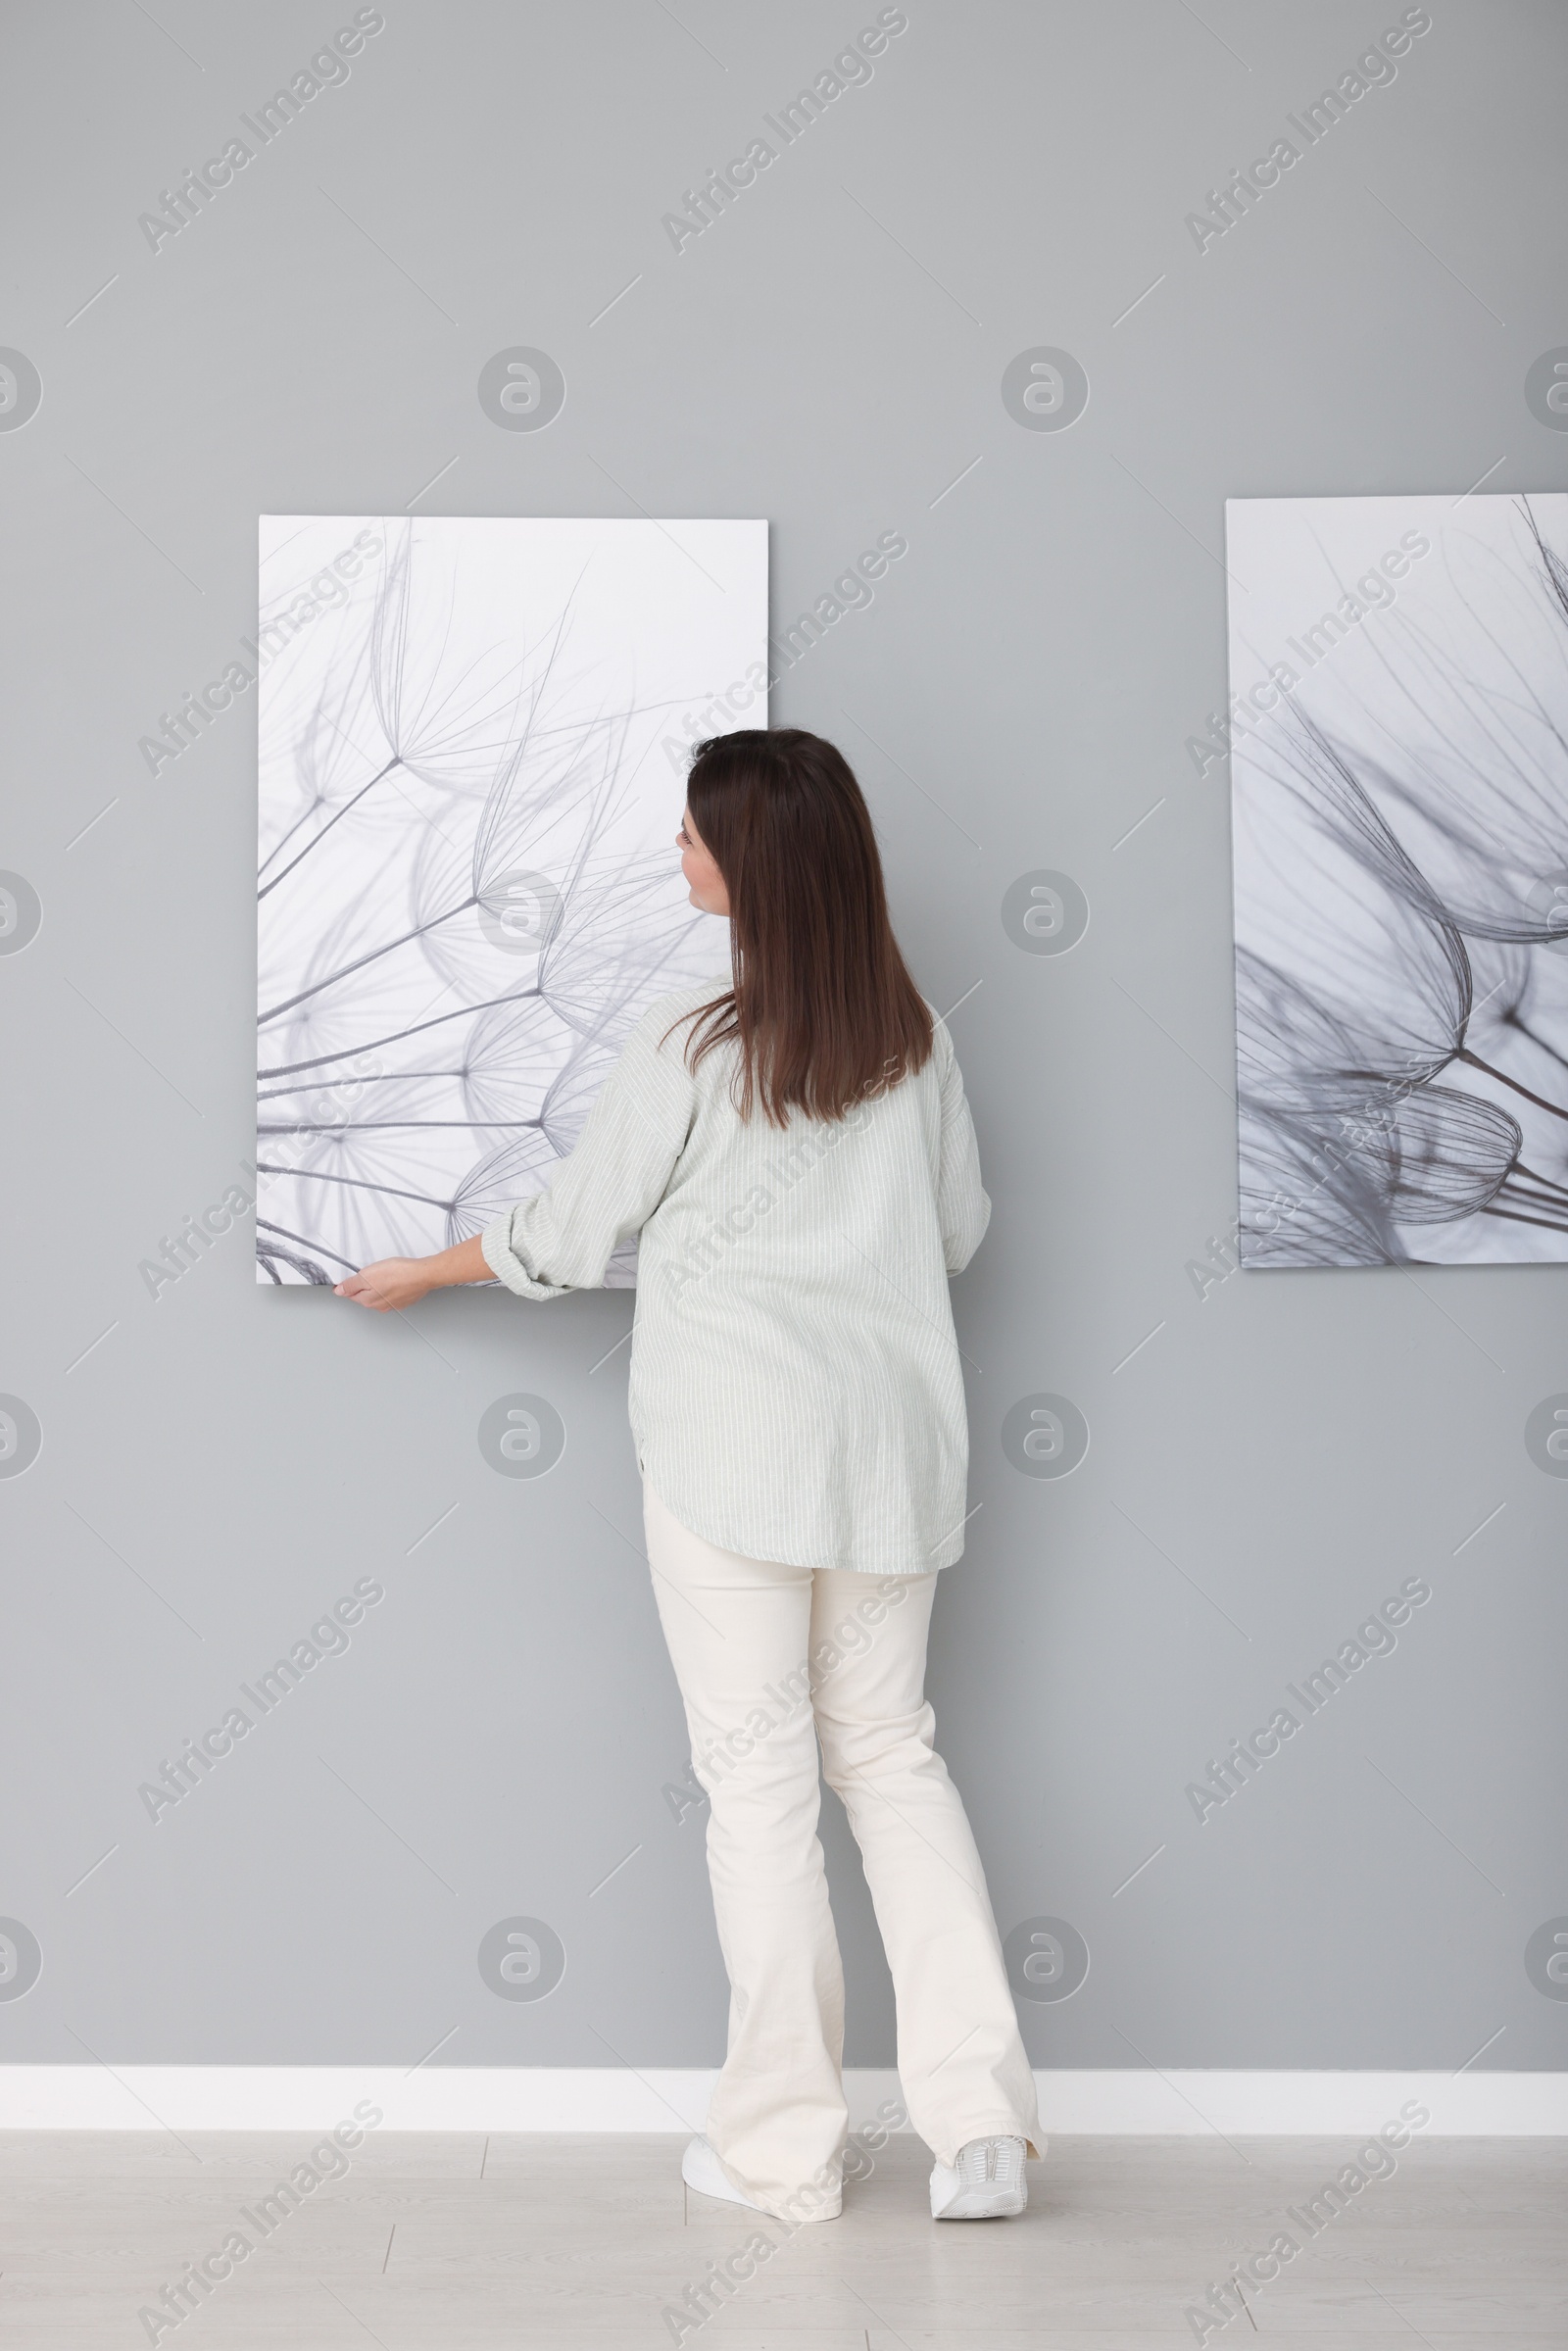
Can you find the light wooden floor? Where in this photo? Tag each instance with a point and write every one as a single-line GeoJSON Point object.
{"type": "Point", "coordinates": [453, 2243]}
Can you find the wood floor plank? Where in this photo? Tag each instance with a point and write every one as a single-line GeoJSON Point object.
{"type": "Point", "coordinates": [452, 2242]}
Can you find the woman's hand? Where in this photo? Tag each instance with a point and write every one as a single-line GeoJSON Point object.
{"type": "Point", "coordinates": [393, 1282]}
{"type": "Point", "coordinates": [389, 1285]}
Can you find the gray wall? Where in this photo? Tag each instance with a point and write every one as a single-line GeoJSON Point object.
{"type": "Point", "coordinates": [223, 1465]}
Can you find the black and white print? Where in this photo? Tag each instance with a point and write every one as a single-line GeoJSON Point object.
{"type": "Point", "coordinates": [1398, 748]}
{"type": "Point", "coordinates": [475, 734]}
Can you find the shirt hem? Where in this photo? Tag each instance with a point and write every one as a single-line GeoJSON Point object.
{"type": "Point", "coordinates": [723, 1541]}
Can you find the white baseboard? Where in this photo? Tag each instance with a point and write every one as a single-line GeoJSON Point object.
{"type": "Point", "coordinates": [1113, 2103]}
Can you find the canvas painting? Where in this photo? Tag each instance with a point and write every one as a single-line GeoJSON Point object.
{"type": "Point", "coordinates": [473, 739]}
{"type": "Point", "coordinates": [1397, 733]}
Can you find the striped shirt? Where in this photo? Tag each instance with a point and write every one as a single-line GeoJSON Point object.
{"type": "Point", "coordinates": [795, 1391]}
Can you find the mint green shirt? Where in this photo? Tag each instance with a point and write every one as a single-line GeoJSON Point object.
{"type": "Point", "coordinates": [795, 1387]}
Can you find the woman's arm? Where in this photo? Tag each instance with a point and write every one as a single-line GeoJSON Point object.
{"type": "Point", "coordinates": [963, 1209]}
{"type": "Point", "coordinates": [561, 1237]}
{"type": "Point", "coordinates": [393, 1282]}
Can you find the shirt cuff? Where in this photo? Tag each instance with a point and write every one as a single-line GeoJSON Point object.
{"type": "Point", "coordinates": [505, 1263]}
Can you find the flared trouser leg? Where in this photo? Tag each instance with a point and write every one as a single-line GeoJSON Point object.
{"type": "Point", "coordinates": [767, 1656]}
{"type": "Point", "coordinates": [961, 2060]}
{"type": "Point", "coordinates": [737, 1631]}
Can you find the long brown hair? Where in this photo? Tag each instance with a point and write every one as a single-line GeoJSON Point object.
{"type": "Point", "coordinates": [820, 998]}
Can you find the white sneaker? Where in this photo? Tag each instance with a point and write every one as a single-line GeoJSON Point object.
{"type": "Point", "coordinates": [987, 2184]}
{"type": "Point", "coordinates": [702, 2169]}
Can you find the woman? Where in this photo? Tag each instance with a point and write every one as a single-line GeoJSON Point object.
{"type": "Point", "coordinates": [798, 1162]}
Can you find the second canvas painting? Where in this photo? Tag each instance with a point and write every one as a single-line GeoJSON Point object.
{"type": "Point", "coordinates": [473, 742]}
{"type": "Point", "coordinates": [1398, 743]}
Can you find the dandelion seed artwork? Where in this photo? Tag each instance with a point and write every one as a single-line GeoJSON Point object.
{"type": "Point", "coordinates": [1399, 746]}
{"type": "Point", "coordinates": [474, 736]}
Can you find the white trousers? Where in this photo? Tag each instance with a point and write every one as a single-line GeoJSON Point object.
{"type": "Point", "coordinates": [770, 1660]}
